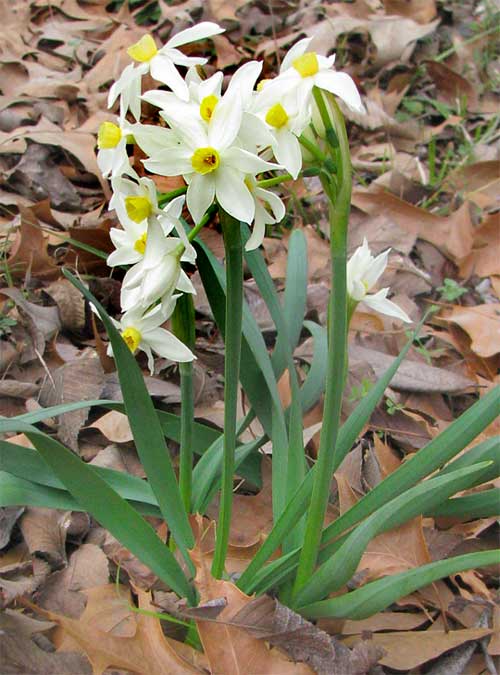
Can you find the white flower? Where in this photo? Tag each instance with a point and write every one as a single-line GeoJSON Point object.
{"type": "Point", "coordinates": [287, 121]}
{"type": "Point", "coordinates": [269, 209]}
{"type": "Point", "coordinates": [302, 70]}
{"type": "Point", "coordinates": [130, 243]}
{"type": "Point", "coordinates": [137, 202]}
{"type": "Point", "coordinates": [161, 63]}
{"type": "Point", "coordinates": [143, 332]}
{"type": "Point", "coordinates": [112, 157]}
{"type": "Point", "coordinates": [210, 162]}
{"type": "Point", "coordinates": [363, 271]}
{"type": "Point", "coordinates": [159, 273]}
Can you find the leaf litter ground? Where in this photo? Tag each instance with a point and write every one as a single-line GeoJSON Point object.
{"type": "Point", "coordinates": [425, 162]}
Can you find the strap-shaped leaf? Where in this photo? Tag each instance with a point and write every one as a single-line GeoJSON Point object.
{"type": "Point", "coordinates": [480, 505]}
{"type": "Point", "coordinates": [21, 462]}
{"type": "Point", "coordinates": [377, 595]}
{"type": "Point", "coordinates": [343, 563]}
{"type": "Point", "coordinates": [148, 435]}
{"type": "Point", "coordinates": [114, 513]}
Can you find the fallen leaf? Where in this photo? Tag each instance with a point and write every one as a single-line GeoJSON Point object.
{"type": "Point", "coordinates": [478, 182]}
{"type": "Point", "coordinates": [78, 380]}
{"type": "Point", "coordinates": [412, 376]}
{"type": "Point", "coordinates": [482, 324]}
{"type": "Point", "coordinates": [20, 654]}
{"type": "Point", "coordinates": [9, 515]}
{"type": "Point", "coordinates": [225, 9]}
{"type": "Point", "coordinates": [409, 649]}
{"type": "Point", "coordinates": [421, 11]}
{"type": "Point", "coordinates": [70, 303]}
{"type": "Point", "coordinates": [450, 86]}
{"type": "Point", "coordinates": [453, 234]}
{"type": "Point", "coordinates": [111, 635]}
{"type": "Point", "coordinates": [44, 531]}
{"type": "Point", "coordinates": [230, 649]}
{"type": "Point", "coordinates": [115, 426]}
{"type": "Point", "coordinates": [88, 567]}
{"type": "Point", "coordinates": [484, 259]}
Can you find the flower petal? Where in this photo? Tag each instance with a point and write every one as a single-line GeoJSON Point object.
{"type": "Point", "coordinates": [167, 345]}
{"type": "Point", "coordinates": [225, 123]}
{"type": "Point", "coordinates": [287, 151]}
{"type": "Point", "coordinates": [342, 85]}
{"type": "Point", "coordinates": [200, 195]}
{"type": "Point", "coordinates": [297, 50]}
{"type": "Point", "coordinates": [380, 303]}
{"type": "Point", "coordinates": [202, 30]}
{"type": "Point", "coordinates": [163, 70]}
{"type": "Point", "coordinates": [258, 234]}
{"type": "Point", "coordinates": [276, 204]}
{"type": "Point", "coordinates": [233, 195]}
{"type": "Point", "coordinates": [246, 162]}
{"type": "Point", "coordinates": [376, 269]}
{"type": "Point", "coordinates": [172, 162]}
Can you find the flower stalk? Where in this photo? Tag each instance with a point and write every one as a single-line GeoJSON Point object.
{"type": "Point", "coordinates": [328, 456]}
{"type": "Point", "coordinates": [184, 328]}
{"type": "Point", "coordinates": [233, 325]}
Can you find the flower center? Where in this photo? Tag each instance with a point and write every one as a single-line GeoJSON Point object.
{"type": "Point", "coordinates": [277, 116]}
{"type": "Point", "coordinates": [140, 244]}
{"type": "Point", "coordinates": [138, 208]}
{"type": "Point", "coordinates": [262, 84]}
{"type": "Point", "coordinates": [307, 64]}
{"type": "Point", "coordinates": [143, 50]}
{"type": "Point", "coordinates": [132, 338]}
{"type": "Point", "coordinates": [207, 107]}
{"type": "Point", "coordinates": [108, 136]}
{"type": "Point", "coordinates": [205, 160]}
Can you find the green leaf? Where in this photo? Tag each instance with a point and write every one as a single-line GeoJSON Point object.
{"type": "Point", "coordinates": [112, 512]}
{"type": "Point", "coordinates": [21, 462]}
{"type": "Point", "coordinates": [254, 577]}
{"type": "Point", "coordinates": [314, 384]}
{"type": "Point", "coordinates": [344, 561]}
{"type": "Point", "coordinates": [484, 504]}
{"type": "Point", "coordinates": [148, 434]}
{"type": "Point", "coordinates": [378, 595]}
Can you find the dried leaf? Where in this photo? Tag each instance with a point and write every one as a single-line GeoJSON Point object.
{"type": "Point", "coordinates": [9, 515]}
{"type": "Point", "coordinates": [115, 426]}
{"type": "Point", "coordinates": [44, 531]}
{"type": "Point", "coordinates": [113, 636]}
{"type": "Point", "coordinates": [482, 323]}
{"type": "Point", "coordinates": [78, 380]}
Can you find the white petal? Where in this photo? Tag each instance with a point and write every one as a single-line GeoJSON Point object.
{"type": "Point", "coordinates": [225, 123]}
{"type": "Point", "coordinates": [160, 98]}
{"type": "Point", "coordinates": [243, 81]}
{"type": "Point", "coordinates": [376, 269]}
{"type": "Point", "coordinates": [297, 50]}
{"type": "Point", "coordinates": [123, 256]}
{"type": "Point", "coordinates": [201, 31]}
{"type": "Point", "coordinates": [130, 297]}
{"type": "Point", "coordinates": [380, 303]}
{"type": "Point", "coordinates": [163, 70]}
{"type": "Point", "coordinates": [184, 284]}
{"type": "Point", "coordinates": [287, 151]}
{"type": "Point", "coordinates": [174, 207]}
{"type": "Point", "coordinates": [211, 86]}
{"type": "Point", "coordinates": [200, 195]}
{"type": "Point", "coordinates": [172, 162]}
{"type": "Point", "coordinates": [167, 345]}
{"type": "Point", "coordinates": [253, 133]}
{"type": "Point", "coordinates": [257, 236]}
{"type": "Point", "coordinates": [342, 85]}
{"type": "Point", "coordinates": [246, 162]}
{"type": "Point", "coordinates": [233, 195]}
{"type": "Point", "coordinates": [276, 204]}
{"type": "Point", "coordinates": [180, 59]}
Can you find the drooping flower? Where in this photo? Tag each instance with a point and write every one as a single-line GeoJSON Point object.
{"type": "Point", "coordinates": [269, 209]}
{"type": "Point", "coordinates": [301, 70]}
{"type": "Point", "coordinates": [161, 63]}
{"type": "Point", "coordinates": [210, 161]}
{"type": "Point", "coordinates": [112, 157]}
{"type": "Point", "coordinates": [363, 271]}
{"type": "Point", "coordinates": [159, 274]}
{"type": "Point", "coordinates": [143, 332]}
{"type": "Point", "coordinates": [136, 201]}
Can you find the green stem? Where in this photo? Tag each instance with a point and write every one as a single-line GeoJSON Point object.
{"type": "Point", "coordinates": [199, 226]}
{"type": "Point", "coordinates": [184, 328]}
{"type": "Point", "coordinates": [312, 148]}
{"type": "Point", "coordinates": [165, 197]}
{"type": "Point", "coordinates": [231, 231]}
{"type": "Point", "coordinates": [277, 180]}
{"type": "Point", "coordinates": [328, 456]}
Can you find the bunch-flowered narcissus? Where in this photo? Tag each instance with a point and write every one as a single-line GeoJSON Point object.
{"type": "Point", "coordinates": [363, 272]}
{"type": "Point", "coordinates": [143, 332]}
{"type": "Point", "coordinates": [219, 140]}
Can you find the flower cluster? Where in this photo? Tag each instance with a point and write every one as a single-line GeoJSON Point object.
{"type": "Point", "coordinates": [219, 142]}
